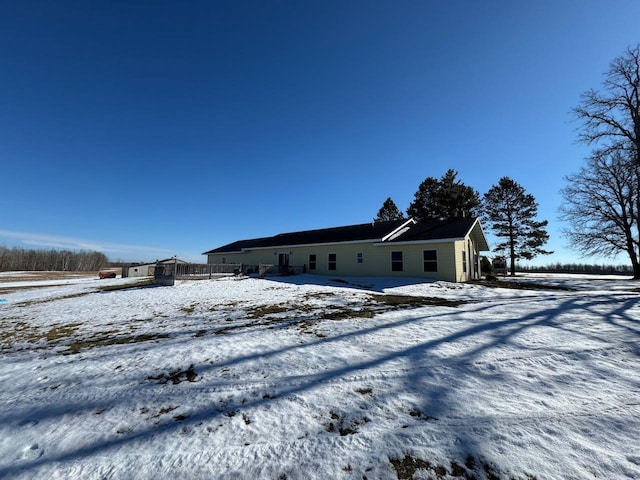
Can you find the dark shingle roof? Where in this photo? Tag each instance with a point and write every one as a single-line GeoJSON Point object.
{"type": "Point", "coordinates": [351, 233]}
{"type": "Point", "coordinates": [436, 230]}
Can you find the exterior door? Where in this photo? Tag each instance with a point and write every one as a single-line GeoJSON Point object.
{"type": "Point", "coordinates": [283, 263]}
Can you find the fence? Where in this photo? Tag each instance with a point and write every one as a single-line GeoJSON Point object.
{"type": "Point", "coordinates": [280, 270]}
{"type": "Point", "coordinates": [168, 273]}
{"type": "Point", "coordinates": [185, 271]}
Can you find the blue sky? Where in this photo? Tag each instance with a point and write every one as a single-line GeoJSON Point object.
{"type": "Point", "coordinates": [150, 129]}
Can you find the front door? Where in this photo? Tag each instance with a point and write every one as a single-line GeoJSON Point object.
{"type": "Point", "coordinates": [283, 263]}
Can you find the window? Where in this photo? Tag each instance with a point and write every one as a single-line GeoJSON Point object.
{"type": "Point", "coordinates": [396, 261]}
{"type": "Point", "coordinates": [312, 261]}
{"type": "Point", "coordinates": [430, 258]}
{"type": "Point", "coordinates": [359, 257]}
{"type": "Point", "coordinates": [332, 261]}
{"type": "Point", "coordinates": [464, 262]}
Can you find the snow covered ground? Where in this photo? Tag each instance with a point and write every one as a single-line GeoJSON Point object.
{"type": "Point", "coordinates": [312, 377]}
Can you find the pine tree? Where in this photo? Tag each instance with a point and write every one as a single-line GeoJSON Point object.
{"type": "Point", "coordinates": [511, 215]}
{"type": "Point", "coordinates": [444, 198]}
{"type": "Point", "coordinates": [388, 211]}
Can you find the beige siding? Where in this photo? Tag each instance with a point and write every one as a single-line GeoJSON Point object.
{"type": "Point", "coordinates": [376, 259]}
{"type": "Point", "coordinates": [470, 250]}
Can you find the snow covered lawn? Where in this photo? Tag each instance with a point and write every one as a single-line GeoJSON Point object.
{"type": "Point", "coordinates": [320, 378]}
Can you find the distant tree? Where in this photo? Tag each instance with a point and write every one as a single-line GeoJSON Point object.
{"type": "Point", "coordinates": [600, 206]}
{"type": "Point", "coordinates": [388, 211]}
{"type": "Point", "coordinates": [443, 198]}
{"type": "Point", "coordinates": [604, 194]}
{"type": "Point", "coordinates": [511, 214]}
{"type": "Point", "coordinates": [54, 260]}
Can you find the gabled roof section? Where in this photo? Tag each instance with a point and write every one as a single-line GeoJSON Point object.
{"type": "Point", "coordinates": [477, 234]}
{"type": "Point", "coordinates": [379, 232]}
{"type": "Point", "coordinates": [448, 229]}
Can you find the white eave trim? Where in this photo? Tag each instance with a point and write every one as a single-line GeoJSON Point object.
{"type": "Point", "coordinates": [417, 242]}
{"type": "Point", "coordinates": [482, 235]}
{"type": "Point", "coordinates": [398, 231]}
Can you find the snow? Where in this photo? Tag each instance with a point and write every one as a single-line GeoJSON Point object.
{"type": "Point", "coordinates": [307, 377]}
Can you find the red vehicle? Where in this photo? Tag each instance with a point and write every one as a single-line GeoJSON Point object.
{"type": "Point", "coordinates": [107, 274]}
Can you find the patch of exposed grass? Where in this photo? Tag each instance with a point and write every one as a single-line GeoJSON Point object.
{"type": "Point", "coordinates": [38, 275]}
{"type": "Point", "coordinates": [317, 295]}
{"type": "Point", "coordinates": [472, 468]}
{"type": "Point", "coordinates": [27, 303]}
{"type": "Point", "coordinates": [164, 411]}
{"type": "Point", "coordinates": [13, 330]}
{"type": "Point", "coordinates": [418, 414]}
{"type": "Point", "coordinates": [223, 306]}
{"type": "Point", "coordinates": [79, 345]}
{"type": "Point", "coordinates": [411, 301]}
{"type": "Point", "coordinates": [176, 376]}
{"type": "Point", "coordinates": [513, 284]}
{"type": "Point", "coordinates": [144, 282]}
{"type": "Point", "coordinates": [342, 427]}
{"type": "Point", "coordinates": [364, 391]}
{"type": "Point", "coordinates": [22, 332]}
{"type": "Point", "coordinates": [61, 331]}
{"type": "Point", "coordinates": [264, 310]}
{"type": "Point", "coordinates": [407, 466]}
{"type": "Point", "coordinates": [342, 313]}
{"type": "Point", "coordinates": [189, 309]}
{"type": "Point", "coordinates": [7, 290]}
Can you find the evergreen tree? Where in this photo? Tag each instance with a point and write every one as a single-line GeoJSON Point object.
{"type": "Point", "coordinates": [444, 198]}
{"type": "Point", "coordinates": [388, 211]}
{"type": "Point", "coordinates": [511, 215]}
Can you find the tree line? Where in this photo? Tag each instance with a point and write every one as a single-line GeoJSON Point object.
{"type": "Point", "coordinates": [13, 259]}
{"type": "Point", "coordinates": [589, 268]}
{"type": "Point", "coordinates": [601, 202]}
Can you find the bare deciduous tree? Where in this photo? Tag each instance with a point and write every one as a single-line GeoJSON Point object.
{"type": "Point", "coordinates": [611, 118]}
{"type": "Point", "coordinates": [601, 202]}
{"type": "Point", "coordinates": [51, 260]}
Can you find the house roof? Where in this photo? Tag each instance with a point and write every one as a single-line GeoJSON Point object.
{"type": "Point", "coordinates": [392, 232]}
{"type": "Point", "coordinates": [170, 260]}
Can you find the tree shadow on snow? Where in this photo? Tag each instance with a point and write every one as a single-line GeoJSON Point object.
{"type": "Point", "coordinates": [375, 284]}
{"type": "Point", "coordinates": [437, 372]}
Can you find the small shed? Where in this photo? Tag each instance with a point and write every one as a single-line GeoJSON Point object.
{"type": "Point", "coordinates": [138, 270]}
{"type": "Point", "coordinates": [147, 269]}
